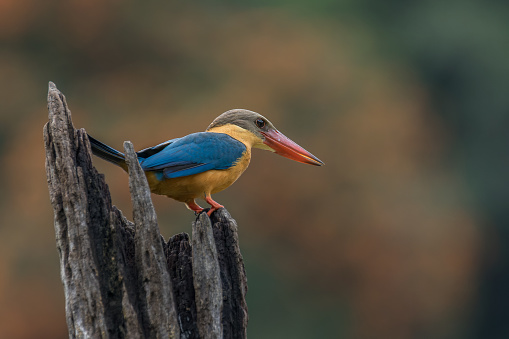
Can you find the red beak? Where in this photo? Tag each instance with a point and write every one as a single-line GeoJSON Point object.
{"type": "Point", "coordinates": [289, 149]}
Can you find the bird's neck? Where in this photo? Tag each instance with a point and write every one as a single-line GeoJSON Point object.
{"type": "Point", "coordinates": [247, 138]}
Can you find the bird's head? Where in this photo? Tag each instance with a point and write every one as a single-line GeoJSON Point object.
{"type": "Point", "coordinates": [264, 135]}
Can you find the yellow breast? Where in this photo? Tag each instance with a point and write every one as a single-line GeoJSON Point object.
{"type": "Point", "coordinates": [198, 185]}
{"type": "Point", "coordinates": [209, 182]}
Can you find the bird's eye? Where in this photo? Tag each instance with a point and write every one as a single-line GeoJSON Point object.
{"type": "Point", "coordinates": [260, 123]}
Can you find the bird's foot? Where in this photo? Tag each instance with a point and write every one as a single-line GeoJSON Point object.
{"type": "Point", "coordinates": [193, 206]}
{"type": "Point", "coordinates": [215, 205]}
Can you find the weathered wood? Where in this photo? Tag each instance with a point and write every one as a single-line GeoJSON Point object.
{"type": "Point", "coordinates": [121, 280]}
{"type": "Point", "coordinates": [153, 276]}
{"type": "Point", "coordinates": [207, 279]}
{"type": "Point", "coordinates": [88, 232]}
{"type": "Point", "coordinates": [179, 258]}
{"type": "Point", "coordinates": [233, 275]}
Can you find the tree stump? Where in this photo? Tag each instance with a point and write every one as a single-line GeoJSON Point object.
{"type": "Point", "coordinates": [121, 279]}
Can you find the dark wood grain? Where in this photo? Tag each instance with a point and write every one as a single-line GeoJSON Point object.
{"type": "Point", "coordinates": [121, 279]}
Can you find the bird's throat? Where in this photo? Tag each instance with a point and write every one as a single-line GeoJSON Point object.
{"type": "Point", "coordinates": [246, 137]}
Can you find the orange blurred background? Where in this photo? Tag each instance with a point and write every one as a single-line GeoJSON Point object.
{"type": "Point", "coordinates": [394, 238]}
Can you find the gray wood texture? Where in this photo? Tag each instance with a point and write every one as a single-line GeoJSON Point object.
{"type": "Point", "coordinates": [121, 279]}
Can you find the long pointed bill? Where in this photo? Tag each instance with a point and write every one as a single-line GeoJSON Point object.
{"type": "Point", "coordinates": [289, 149]}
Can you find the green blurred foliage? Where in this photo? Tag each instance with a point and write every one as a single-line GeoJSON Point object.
{"type": "Point", "coordinates": [400, 235]}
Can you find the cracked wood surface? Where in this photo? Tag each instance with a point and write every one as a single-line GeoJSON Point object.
{"type": "Point", "coordinates": [121, 279]}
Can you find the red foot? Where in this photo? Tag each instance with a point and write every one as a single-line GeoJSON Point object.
{"type": "Point", "coordinates": [193, 206]}
{"type": "Point", "coordinates": [215, 205]}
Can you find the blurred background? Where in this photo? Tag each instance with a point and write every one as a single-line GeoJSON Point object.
{"type": "Point", "coordinates": [403, 234]}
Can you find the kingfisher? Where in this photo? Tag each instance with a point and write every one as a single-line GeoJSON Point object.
{"type": "Point", "coordinates": [201, 164]}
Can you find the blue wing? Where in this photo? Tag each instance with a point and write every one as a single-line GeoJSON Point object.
{"type": "Point", "coordinates": [147, 152]}
{"type": "Point", "coordinates": [193, 154]}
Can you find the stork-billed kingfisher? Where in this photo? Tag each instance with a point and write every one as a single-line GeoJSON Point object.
{"type": "Point", "coordinates": [204, 163]}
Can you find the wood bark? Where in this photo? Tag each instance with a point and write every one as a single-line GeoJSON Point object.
{"type": "Point", "coordinates": [121, 279]}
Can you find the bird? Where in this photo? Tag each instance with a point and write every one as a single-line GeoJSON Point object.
{"type": "Point", "coordinates": [203, 163]}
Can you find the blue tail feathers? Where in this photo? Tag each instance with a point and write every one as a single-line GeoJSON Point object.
{"type": "Point", "coordinates": [107, 153]}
